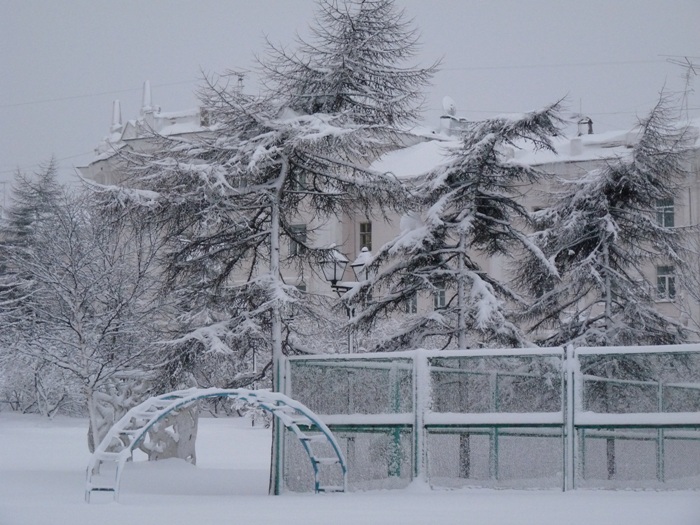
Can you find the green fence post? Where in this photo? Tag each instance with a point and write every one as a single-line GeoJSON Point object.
{"type": "Point", "coordinates": [572, 373]}
{"type": "Point", "coordinates": [493, 442]}
{"type": "Point", "coordinates": [396, 455]}
{"type": "Point", "coordinates": [660, 474]}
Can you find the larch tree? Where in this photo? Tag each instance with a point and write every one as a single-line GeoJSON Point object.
{"type": "Point", "coordinates": [356, 62]}
{"type": "Point", "coordinates": [604, 236]}
{"type": "Point", "coordinates": [466, 208]}
{"type": "Point", "coordinates": [231, 198]}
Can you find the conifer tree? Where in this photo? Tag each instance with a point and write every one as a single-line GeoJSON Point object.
{"type": "Point", "coordinates": [467, 208]}
{"type": "Point", "coordinates": [357, 62]}
{"type": "Point", "coordinates": [603, 236]}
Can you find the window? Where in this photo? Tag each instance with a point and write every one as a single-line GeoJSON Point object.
{"type": "Point", "coordinates": [665, 282]}
{"type": "Point", "coordinates": [439, 296]}
{"type": "Point", "coordinates": [299, 183]}
{"type": "Point", "coordinates": [411, 306]}
{"type": "Point", "coordinates": [296, 244]}
{"type": "Point", "coordinates": [665, 213]}
{"type": "Point", "coordinates": [366, 235]}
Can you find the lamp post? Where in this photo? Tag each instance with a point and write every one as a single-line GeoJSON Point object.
{"type": "Point", "coordinates": [333, 268]}
{"type": "Point", "coordinates": [361, 265]}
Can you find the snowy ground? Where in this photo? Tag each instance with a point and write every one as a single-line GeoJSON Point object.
{"type": "Point", "coordinates": [42, 465]}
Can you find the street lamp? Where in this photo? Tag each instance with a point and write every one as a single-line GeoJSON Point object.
{"type": "Point", "coordinates": [360, 266]}
{"type": "Point", "coordinates": [333, 268]}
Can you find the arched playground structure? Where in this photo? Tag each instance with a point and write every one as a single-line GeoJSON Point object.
{"type": "Point", "coordinates": [107, 463]}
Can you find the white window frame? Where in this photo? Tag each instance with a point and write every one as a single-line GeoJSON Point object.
{"type": "Point", "coordinates": [665, 213]}
{"type": "Point", "coordinates": [666, 283]}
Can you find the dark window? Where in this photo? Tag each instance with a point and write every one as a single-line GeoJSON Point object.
{"type": "Point", "coordinates": [296, 244]}
{"type": "Point", "coordinates": [412, 305]}
{"type": "Point", "coordinates": [366, 235]}
{"type": "Point", "coordinates": [439, 296]}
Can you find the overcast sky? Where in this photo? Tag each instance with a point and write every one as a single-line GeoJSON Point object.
{"type": "Point", "coordinates": [63, 62]}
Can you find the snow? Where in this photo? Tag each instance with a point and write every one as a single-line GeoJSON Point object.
{"type": "Point", "coordinates": [415, 160]}
{"type": "Point", "coordinates": [181, 129]}
{"type": "Point", "coordinates": [42, 476]}
{"type": "Point", "coordinates": [369, 419]}
{"type": "Point", "coordinates": [610, 350]}
{"type": "Point", "coordinates": [472, 352]}
{"type": "Point", "coordinates": [638, 419]}
{"type": "Point", "coordinates": [426, 156]}
{"type": "Point", "coordinates": [495, 418]}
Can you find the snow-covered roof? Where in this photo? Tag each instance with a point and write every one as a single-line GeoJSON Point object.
{"type": "Point", "coordinates": [425, 156]}
{"type": "Point", "coordinates": [181, 128]}
{"type": "Point", "coordinates": [414, 160]}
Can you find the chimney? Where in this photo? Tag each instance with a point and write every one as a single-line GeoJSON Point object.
{"type": "Point", "coordinates": [116, 117]}
{"type": "Point", "coordinates": [585, 126]}
{"type": "Point", "coordinates": [147, 103]}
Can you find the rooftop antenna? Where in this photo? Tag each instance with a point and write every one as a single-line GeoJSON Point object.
{"type": "Point", "coordinates": [239, 75]}
{"type": "Point", "coordinates": [691, 70]}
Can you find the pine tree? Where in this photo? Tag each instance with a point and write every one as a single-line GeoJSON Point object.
{"type": "Point", "coordinates": [32, 197]}
{"type": "Point", "coordinates": [470, 208]}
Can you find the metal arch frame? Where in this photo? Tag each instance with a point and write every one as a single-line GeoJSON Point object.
{"type": "Point", "coordinates": [289, 412]}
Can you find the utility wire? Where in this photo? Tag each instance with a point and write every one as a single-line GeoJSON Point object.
{"type": "Point", "coordinates": [87, 95]}
{"type": "Point", "coordinates": [461, 68]}
{"type": "Point", "coordinates": [563, 64]}
{"type": "Point", "coordinates": [39, 164]}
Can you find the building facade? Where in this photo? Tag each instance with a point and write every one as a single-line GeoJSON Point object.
{"type": "Point", "coordinates": [425, 150]}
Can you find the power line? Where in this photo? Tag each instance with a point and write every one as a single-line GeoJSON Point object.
{"type": "Point", "coordinates": [562, 64]}
{"type": "Point", "coordinates": [463, 68]}
{"type": "Point", "coordinates": [39, 164]}
{"type": "Point", "coordinates": [87, 95]}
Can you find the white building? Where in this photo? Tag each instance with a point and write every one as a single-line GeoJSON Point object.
{"type": "Point", "coordinates": [574, 156]}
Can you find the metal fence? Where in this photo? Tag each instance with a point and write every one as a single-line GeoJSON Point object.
{"type": "Point", "coordinates": [525, 418]}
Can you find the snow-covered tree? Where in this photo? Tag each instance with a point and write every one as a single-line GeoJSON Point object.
{"type": "Point", "coordinates": [231, 199]}
{"type": "Point", "coordinates": [604, 236]}
{"type": "Point", "coordinates": [32, 197]}
{"type": "Point", "coordinates": [467, 208]}
{"type": "Point", "coordinates": [357, 62]}
{"type": "Point", "coordinates": [228, 201]}
{"type": "Point", "coordinates": [92, 309]}
{"type": "Point", "coordinates": [28, 384]}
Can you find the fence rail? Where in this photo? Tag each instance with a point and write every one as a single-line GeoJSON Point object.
{"type": "Point", "coordinates": [491, 417]}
